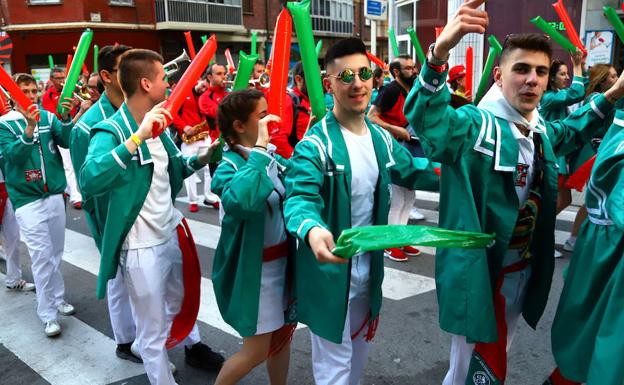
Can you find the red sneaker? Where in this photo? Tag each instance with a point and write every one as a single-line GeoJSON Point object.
{"type": "Point", "coordinates": [77, 205]}
{"type": "Point", "coordinates": [193, 207]}
{"type": "Point", "coordinates": [395, 254]}
{"type": "Point", "coordinates": [410, 251]}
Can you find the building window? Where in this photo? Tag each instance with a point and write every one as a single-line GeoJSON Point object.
{"type": "Point", "coordinates": [248, 7]}
{"type": "Point", "coordinates": [122, 2]}
{"type": "Point", "coordinates": [40, 2]}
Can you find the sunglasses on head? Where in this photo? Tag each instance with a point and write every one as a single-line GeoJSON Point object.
{"type": "Point", "coordinates": [348, 75]}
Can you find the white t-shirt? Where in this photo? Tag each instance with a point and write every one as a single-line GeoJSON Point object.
{"type": "Point", "coordinates": [157, 218]}
{"type": "Point", "coordinates": [364, 176]}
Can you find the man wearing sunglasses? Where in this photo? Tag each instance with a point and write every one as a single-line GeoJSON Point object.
{"type": "Point", "coordinates": [340, 177]}
{"type": "Point", "coordinates": [498, 176]}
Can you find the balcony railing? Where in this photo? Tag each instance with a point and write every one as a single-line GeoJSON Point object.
{"type": "Point", "coordinates": [225, 12]}
{"type": "Point", "coordinates": [332, 16]}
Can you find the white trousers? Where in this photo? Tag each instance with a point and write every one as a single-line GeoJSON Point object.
{"type": "Point", "coordinates": [343, 364]}
{"type": "Point", "coordinates": [10, 242]}
{"type": "Point", "coordinates": [72, 185]}
{"type": "Point", "coordinates": [120, 310]}
{"type": "Point", "coordinates": [191, 182]}
{"type": "Point", "coordinates": [122, 316]}
{"type": "Point", "coordinates": [401, 204]}
{"type": "Point", "coordinates": [153, 277]}
{"type": "Point", "coordinates": [514, 289]}
{"type": "Point", "coordinates": [42, 227]}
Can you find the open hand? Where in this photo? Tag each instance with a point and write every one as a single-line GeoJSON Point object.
{"type": "Point", "coordinates": [467, 19]}
{"type": "Point", "coordinates": [321, 242]}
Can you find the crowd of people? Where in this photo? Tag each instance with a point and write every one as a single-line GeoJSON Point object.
{"type": "Point", "coordinates": [287, 186]}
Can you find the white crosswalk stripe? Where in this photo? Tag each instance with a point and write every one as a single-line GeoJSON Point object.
{"type": "Point", "coordinates": [74, 358]}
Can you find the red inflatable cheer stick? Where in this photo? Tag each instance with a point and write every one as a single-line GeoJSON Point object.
{"type": "Point", "coordinates": [190, 45]}
{"type": "Point", "coordinates": [469, 70]}
{"type": "Point", "coordinates": [376, 60]}
{"type": "Point", "coordinates": [16, 94]}
{"type": "Point", "coordinates": [581, 176]}
{"type": "Point", "coordinates": [187, 82]}
{"type": "Point", "coordinates": [279, 67]}
{"type": "Point", "coordinates": [567, 22]}
{"type": "Point", "coordinates": [69, 61]}
{"type": "Point", "coordinates": [230, 61]}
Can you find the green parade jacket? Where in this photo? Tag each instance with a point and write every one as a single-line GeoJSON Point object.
{"type": "Point", "coordinates": [95, 209]}
{"type": "Point", "coordinates": [587, 333]}
{"type": "Point", "coordinates": [554, 104]}
{"type": "Point", "coordinates": [318, 193]}
{"type": "Point", "coordinates": [243, 187]}
{"type": "Point", "coordinates": [479, 156]}
{"type": "Point", "coordinates": [109, 169]}
{"type": "Point", "coordinates": [24, 174]}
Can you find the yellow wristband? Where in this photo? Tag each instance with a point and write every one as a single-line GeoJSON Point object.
{"type": "Point", "coordinates": [135, 138]}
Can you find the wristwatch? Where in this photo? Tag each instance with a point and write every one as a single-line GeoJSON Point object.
{"type": "Point", "coordinates": [434, 60]}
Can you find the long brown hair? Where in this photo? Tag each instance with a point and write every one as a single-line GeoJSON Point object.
{"type": "Point", "coordinates": [237, 105]}
{"type": "Point", "coordinates": [598, 73]}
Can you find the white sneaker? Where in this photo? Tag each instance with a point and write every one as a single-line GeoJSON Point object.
{"type": "Point", "coordinates": [173, 368]}
{"type": "Point", "coordinates": [569, 244]}
{"type": "Point", "coordinates": [135, 350]}
{"type": "Point", "coordinates": [52, 328]}
{"type": "Point", "coordinates": [21, 285]}
{"type": "Point", "coordinates": [416, 215]}
{"type": "Point", "coordinates": [66, 309]}
{"type": "Point", "coordinates": [558, 254]}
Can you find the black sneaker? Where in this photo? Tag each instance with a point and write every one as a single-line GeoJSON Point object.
{"type": "Point", "coordinates": [124, 352]}
{"type": "Point", "coordinates": [200, 356]}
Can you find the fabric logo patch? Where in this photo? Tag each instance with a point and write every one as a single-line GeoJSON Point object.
{"type": "Point", "coordinates": [33, 175]}
{"type": "Point", "coordinates": [522, 170]}
{"type": "Point", "coordinates": [480, 378]}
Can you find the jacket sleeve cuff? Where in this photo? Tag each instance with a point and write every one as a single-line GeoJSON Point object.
{"type": "Point", "coordinates": [619, 118]}
{"type": "Point", "coordinates": [259, 159]}
{"type": "Point", "coordinates": [601, 106]}
{"type": "Point", "coordinates": [121, 155]}
{"type": "Point", "coordinates": [26, 140]}
{"type": "Point", "coordinates": [306, 226]}
{"type": "Point", "coordinates": [580, 80]}
{"type": "Point", "coordinates": [431, 80]}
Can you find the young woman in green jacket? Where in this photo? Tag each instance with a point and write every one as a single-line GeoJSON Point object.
{"type": "Point", "coordinates": [250, 264]}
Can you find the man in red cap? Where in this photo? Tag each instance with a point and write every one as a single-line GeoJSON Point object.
{"type": "Point", "coordinates": [457, 81]}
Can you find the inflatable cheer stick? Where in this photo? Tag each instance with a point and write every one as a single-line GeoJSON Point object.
{"type": "Point", "coordinates": [245, 68]}
{"type": "Point", "coordinates": [567, 22]}
{"type": "Point", "coordinates": [96, 53]}
{"type": "Point", "coordinates": [581, 176]}
{"type": "Point", "coordinates": [279, 70]}
{"type": "Point", "coordinates": [204, 38]}
{"type": "Point", "coordinates": [303, 24]}
{"type": "Point", "coordinates": [438, 31]}
{"type": "Point", "coordinates": [16, 93]}
{"type": "Point", "coordinates": [230, 61]}
{"type": "Point", "coordinates": [548, 29]}
{"type": "Point", "coordinates": [420, 54]}
{"type": "Point", "coordinates": [615, 21]}
{"type": "Point", "coordinates": [469, 70]}
{"type": "Point", "coordinates": [68, 64]}
{"type": "Point", "coordinates": [318, 48]}
{"type": "Point", "coordinates": [254, 43]}
{"type": "Point", "coordinates": [393, 42]}
{"type": "Point", "coordinates": [187, 82]}
{"type": "Point", "coordinates": [50, 61]}
{"type": "Point", "coordinates": [190, 45]}
{"type": "Point", "coordinates": [378, 62]}
{"type": "Point", "coordinates": [495, 49]}
{"type": "Point", "coordinates": [74, 69]}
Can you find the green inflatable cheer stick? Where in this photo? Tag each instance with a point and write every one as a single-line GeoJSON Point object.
{"type": "Point", "coordinates": [245, 68]}
{"type": "Point", "coordinates": [420, 54]}
{"type": "Point", "coordinates": [319, 47]}
{"type": "Point", "coordinates": [552, 32]}
{"type": "Point", "coordinates": [393, 42]}
{"type": "Point", "coordinates": [254, 40]}
{"type": "Point", "coordinates": [50, 61]}
{"type": "Point", "coordinates": [303, 25]}
{"type": "Point", "coordinates": [495, 49]}
{"type": "Point", "coordinates": [96, 53]}
{"type": "Point", "coordinates": [204, 39]}
{"type": "Point", "coordinates": [218, 152]}
{"type": "Point", "coordinates": [74, 70]}
{"type": "Point", "coordinates": [615, 21]}
{"type": "Point", "coordinates": [370, 238]}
